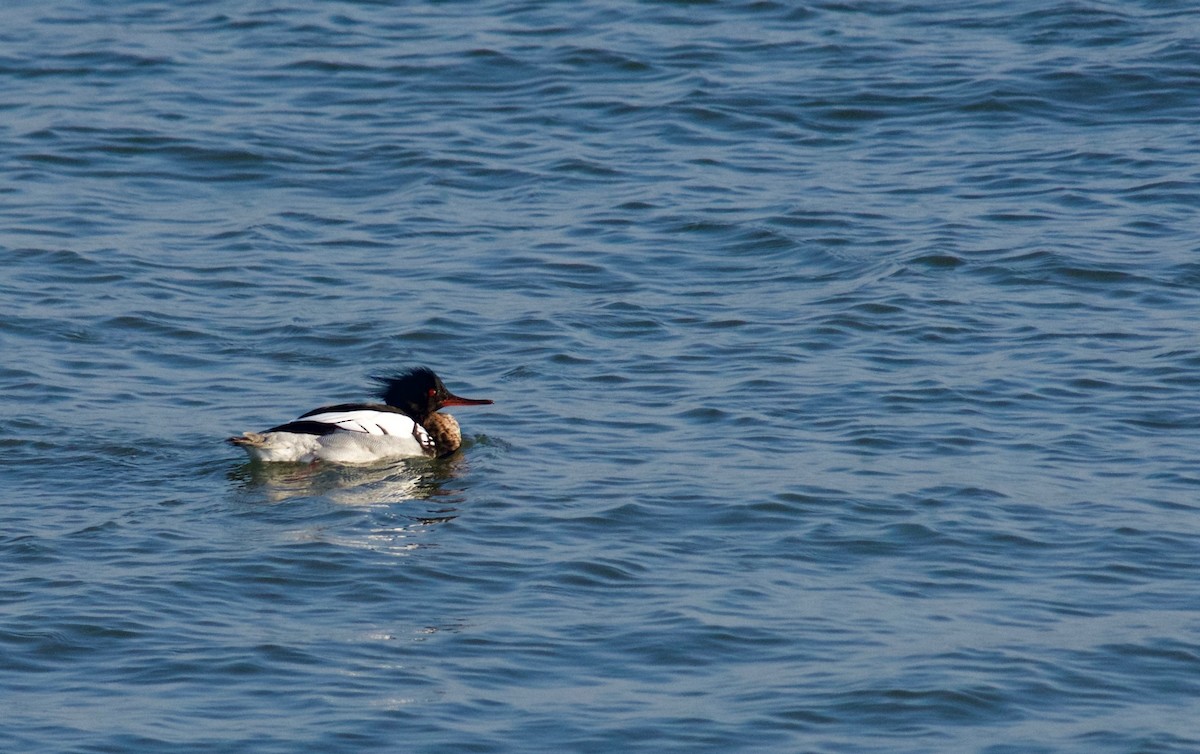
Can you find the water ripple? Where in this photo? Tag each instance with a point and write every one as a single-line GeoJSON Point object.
{"type": "Point", "coordinates": [843, 354]}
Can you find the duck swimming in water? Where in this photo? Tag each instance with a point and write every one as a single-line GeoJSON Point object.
{"type": "Point", "coordinates": [407, 423]}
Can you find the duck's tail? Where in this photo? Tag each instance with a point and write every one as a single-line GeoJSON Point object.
{"type": "Point", "coordinates": [248, 439]}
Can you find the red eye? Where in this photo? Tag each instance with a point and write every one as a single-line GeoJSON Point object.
{"type": "Point", "coordinates": [432, 392]}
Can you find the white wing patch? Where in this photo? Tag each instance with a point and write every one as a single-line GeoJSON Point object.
{"type": "Point", "coordinates": [372, 423]}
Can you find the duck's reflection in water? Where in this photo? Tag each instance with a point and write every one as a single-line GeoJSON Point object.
{"type": "Point", "coordinates": [402, 499]}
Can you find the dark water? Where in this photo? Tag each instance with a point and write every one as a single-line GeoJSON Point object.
{"type": "Point", "coordinates": [845, 358]}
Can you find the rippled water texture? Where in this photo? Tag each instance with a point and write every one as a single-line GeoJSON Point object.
{"type": "Point", "coordinates": [845, 361]}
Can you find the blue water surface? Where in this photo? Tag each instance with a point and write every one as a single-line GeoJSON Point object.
{"type": "Point", "coordinates": [845, 359]}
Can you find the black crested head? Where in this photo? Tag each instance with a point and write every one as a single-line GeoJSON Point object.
{"type": "Point", "coordinates": [419, 393]}
{"type": "Point", "coordinates": [414, 392]}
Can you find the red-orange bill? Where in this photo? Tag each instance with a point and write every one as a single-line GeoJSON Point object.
{"type": "Point", "coordinates": [454, 400]}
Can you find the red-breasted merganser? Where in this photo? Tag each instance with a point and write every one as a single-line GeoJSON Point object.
{"type": "Point", "coordinates": [407, 423]}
